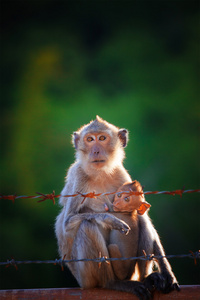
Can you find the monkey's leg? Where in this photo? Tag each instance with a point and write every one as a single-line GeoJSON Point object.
{"type": "Point", "coordinates": [145, 245]}
{"type": "Point", "coordinates": [119, 267]}
{"type": "Point", "coordinates": [90, 244]}
{"type": "Point", "coordinates": [165, 280]}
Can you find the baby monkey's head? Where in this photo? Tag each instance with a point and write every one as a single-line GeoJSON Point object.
{"type": "Point", "coordinates": [128, 202]}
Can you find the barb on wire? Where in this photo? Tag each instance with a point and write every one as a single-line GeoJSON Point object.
{"type": "Point", "coordinates": [89, 195]}
{"type": "Point", "coordinates": [12, 263]}
{"type": "Point", "coordinates": [195, 255]}
{"type": "Point", "coordinates": [148, 257]}
{"type": "Point", "coordinates": [60, 262]}
{"type": "Point", "coordinates": [101, 259]}
{"type": "Point", "coordinates": [52, 196]}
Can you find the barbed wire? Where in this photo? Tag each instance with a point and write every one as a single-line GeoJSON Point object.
{"type": "Point", "coordinates": [100, 259]}
{"type": "Point", "coordinates": [52, 196]}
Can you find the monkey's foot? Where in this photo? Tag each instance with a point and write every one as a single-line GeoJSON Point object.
{"type": "Point", "coordinates": [163, 282]}
{"type": "Point", "coordinates": [134, 287]}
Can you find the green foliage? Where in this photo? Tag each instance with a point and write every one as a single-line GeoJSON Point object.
{"type": "Point", "coordinates": [134, 65]}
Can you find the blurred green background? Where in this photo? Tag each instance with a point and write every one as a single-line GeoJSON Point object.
{"type": "Point", "coordinates": [135, 64]}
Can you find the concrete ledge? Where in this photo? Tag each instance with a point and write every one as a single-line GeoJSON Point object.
{"type": "Point", "coordinates": [188, 292]}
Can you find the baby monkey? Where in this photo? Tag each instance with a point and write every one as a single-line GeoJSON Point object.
{"type": "Point", "coordinates": [129, 199]}
{"type": "Point", "coordinates": [130, 202]}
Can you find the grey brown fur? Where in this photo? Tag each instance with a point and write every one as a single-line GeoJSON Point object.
{"type": "Point", "coordinates": [84, 229]}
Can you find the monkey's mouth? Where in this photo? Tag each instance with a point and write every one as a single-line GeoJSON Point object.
{"type": "Point", "coordinates": [97, 161]}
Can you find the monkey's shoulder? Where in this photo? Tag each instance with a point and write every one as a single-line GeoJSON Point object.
{"type": "Point", "coordinates": [75, 169]}
{"type": "Point", "coordinates": [76, 175]}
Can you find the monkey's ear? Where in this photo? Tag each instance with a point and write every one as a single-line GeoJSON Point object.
{"type": "Point", "coordinates": [132, 185]}
{"type": "Point", "coordinates": [123, 136]}
{"type": "Point", "coordinates": [75, 139]}
{"type": "Point", "coordinates": [143, 207]}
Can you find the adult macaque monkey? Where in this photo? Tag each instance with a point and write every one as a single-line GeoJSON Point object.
{"type": "Point", "coordinates": [84, 229]}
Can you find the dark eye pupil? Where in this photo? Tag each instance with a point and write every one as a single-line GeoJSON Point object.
{"type": "Point", "coordinates": [89, 139]}
{"type": "Point", "coordinates": [102, 138]}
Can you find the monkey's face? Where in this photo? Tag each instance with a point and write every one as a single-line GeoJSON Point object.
{"type": "Point", "coordinates": [97, 148]}
{"type": "Point", "coordinates": [126, 202]}
{"type": "Point", "coordinates": [99, 151]}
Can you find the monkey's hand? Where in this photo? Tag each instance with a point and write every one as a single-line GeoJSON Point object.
{"type": "Point", "coordinates": [112, 222]}
{"type": "Point", "coordinates": [164, 282]}
{"type": "Point", "coordinates": [123, 228]}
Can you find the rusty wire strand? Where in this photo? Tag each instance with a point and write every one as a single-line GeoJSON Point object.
{"type": "Point", "coordinates": [100, 259]}
{"type": "Point", "coordinates": [52, 196]}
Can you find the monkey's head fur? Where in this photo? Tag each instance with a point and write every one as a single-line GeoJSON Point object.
{"type": "Point", "coordinates": [99, 146]}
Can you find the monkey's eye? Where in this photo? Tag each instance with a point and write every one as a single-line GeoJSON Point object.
{"type": "Point", "coordinates": [89, 139]}
{"type": "Point", "coordinates": [119, 195]}
{"type": "Point", "coordinates": [102, 138]}
{"type": "Point", "coordinates": [127, 199]}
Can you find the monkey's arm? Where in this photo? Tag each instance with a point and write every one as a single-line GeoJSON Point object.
{"type": "Point", "coordinates": [106, 220]}
{"type": "Point", "coordinates": [164, 280]}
